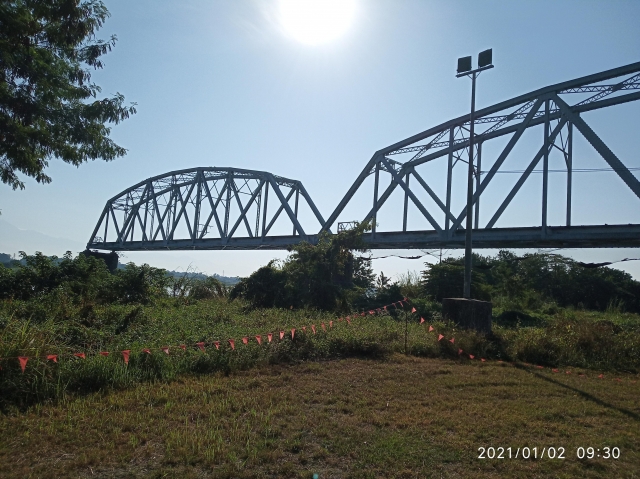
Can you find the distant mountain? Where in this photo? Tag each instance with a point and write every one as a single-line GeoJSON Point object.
{"type": "Point", "coordinates": [13, 239]}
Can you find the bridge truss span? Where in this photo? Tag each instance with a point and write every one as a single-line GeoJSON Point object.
{"type": "Point", "coordinates": [205, 208]}
{"type": "Point", "coordinates": [552, 109]}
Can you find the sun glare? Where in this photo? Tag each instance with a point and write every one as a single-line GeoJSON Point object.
{"type": "Point", "coordinates": [316, 21]}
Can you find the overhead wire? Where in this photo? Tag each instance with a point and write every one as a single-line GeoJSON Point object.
{"type": "Point", "coordinates": [574, 170]}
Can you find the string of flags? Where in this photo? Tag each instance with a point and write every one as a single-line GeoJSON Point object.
{"type": "Point", "coordinates": [126, 353]}
{"type": "Point", "coordinates": [259, 338]}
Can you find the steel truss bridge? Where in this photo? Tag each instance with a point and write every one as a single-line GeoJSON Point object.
{"type": "Point", "coordinates": [230, 208]}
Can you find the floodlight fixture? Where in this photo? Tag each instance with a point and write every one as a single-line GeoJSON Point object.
{"type": "Point", "coordinates": [464, 64]}
{"type": "Point", "coordinates": [485, 58]}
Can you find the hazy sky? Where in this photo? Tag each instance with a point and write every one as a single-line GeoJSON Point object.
{"type": "Point", "coordinates": [220, 83]}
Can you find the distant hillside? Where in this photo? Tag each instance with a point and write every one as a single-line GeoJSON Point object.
{"type": "Point", "coordinates": [228, 280]}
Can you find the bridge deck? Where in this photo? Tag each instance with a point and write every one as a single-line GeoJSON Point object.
{"type": "Point", "coordinates": [607, 236]}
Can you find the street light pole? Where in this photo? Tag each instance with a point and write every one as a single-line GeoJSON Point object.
{"type": "Point", "coordinates": [467, 238]}
{"type": "Point", "coordinates": [464, 69]}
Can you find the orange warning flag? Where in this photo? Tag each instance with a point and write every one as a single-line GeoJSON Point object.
{"type": "Point", "coordinates": [540, 367]}
{"type": "Point", "coordinates": [165, 350]}
{"type": "Point", "coordinates": [52, 357]}
{"type": "Point", "coordinates": [281, 334]}
{"type": "Point", "coordinates": [80, 355]}
{"type": "Point", "coordinates": [259, 339]}
{"type": "Point", "coordinates": [245, 340]}
{"type": "Point", "coordinates": [348, 320]}
{"type": "Point", "coordinates": [555, 371]}
{"type": "Point", "coordinates": [125, 355]}
{"type": "Point", "coordinates": [293, 332]}
{"type": "Point", "coordinates": [385, 308]}
{"type": "Point", "coordinates": [421, 320]}
{"type": "Point", "coordinates": [331, 324]}
{"type": "Point", "coordinates": [232, 343]}
{"type": "Point", "coordinates": [440, 336]}
{"type": "Point", "coordinates": [313, 328]}
{"type": "Point", "coordinates": [184, 347]}
{"type": "Point", "coordinates": [471, 356]}
{"type": "Point", "coordinates": [601, 376]}
{"type": "Point", "coordinates": [23, 362]}
{"type": "Point", "coordinates": [430, 328]}
{"type": "Point", "coordinates": [323, 327]}
{"type": "Point", "coordinates": [104, 353]}
{"type": "Point", "coordinates": [269, 337]}
{"type": "Point", "coordinates": [201, 346]}
{"type": "Point", "coordinates": [145, 350]}
{"type": "Point", "coordinates": [413, 310]}
{"type": "Point", "coordinates": [452, 340]}
{"type": "Point", "coordinates": [460, 351]}
{"type": "Point", "coordinates": [217, 344]}
{"type": "Point", "coordinates": [363, 313]}
{"type": "Point", "coordinates": [482, 359]}
{"type": "Point", "coordinates": [304, 328]}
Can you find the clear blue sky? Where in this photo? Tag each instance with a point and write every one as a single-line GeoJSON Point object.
{"type": "Point", "coordinates": [218, 83]}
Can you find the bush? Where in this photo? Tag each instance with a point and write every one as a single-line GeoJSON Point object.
{"type": "Point", "coordinates": [326, 276]}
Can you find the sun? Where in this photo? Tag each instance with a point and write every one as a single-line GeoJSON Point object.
{"type": "Point", "coordinates": [316, 21]}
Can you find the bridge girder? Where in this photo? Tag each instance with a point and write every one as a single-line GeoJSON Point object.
{"type": "Point", "coordinates": [168, 196]}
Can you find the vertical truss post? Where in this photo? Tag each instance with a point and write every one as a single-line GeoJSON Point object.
{"type": "Point", "coordinates": [406, 204]}
{"type": "Point", "coordinates": [476, 219]}
{"type": "Point", "coordinates": [146, 214]}
{"type": "Point", "coordinates": [133, 223]}
{"type": "Point", "coordinates": [196, 217]}
{"type": "Point", "coordinates": [227, 207]}
{"type": "Point", "coordinates": [375, 200]}
{"type": "Point", "coordinates": [449, 175]}
{"type": "Point", "coordinates": [174, 209]}
{"type": "Point", "coordinates": [569, 161]}
{"type": "Point", "coordinates": [295, 211]}
{"type": "Point", "coordinates": [259, 203]}
{"type": "Point", "coordinates": [545, 168]}
{"type": "Point", "coordinates": [264, 210]}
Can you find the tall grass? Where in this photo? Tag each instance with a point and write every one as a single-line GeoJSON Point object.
{"type": "Point", "coordinates": [570, 338]}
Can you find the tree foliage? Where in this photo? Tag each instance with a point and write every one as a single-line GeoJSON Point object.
{"type": "Point", "coordinates": [83, 278]}
{"type": "Point", "coordinates": [324, 276]}
{"type": "Point", "coordinates": [520, 282]}
{"type": "Point", "coordinates": [49, 106]}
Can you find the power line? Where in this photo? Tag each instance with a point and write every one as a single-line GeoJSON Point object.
{"type": "Point", "coordinates": [575, 170]}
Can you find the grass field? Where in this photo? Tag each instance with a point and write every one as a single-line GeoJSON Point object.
{"type": "Point", "coordinates": [400, 417]}
{"type": "Point", "coordinates": [606, 342]}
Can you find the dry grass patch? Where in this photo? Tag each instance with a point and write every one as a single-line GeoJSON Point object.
{"type": "Point", "coordinates": [406, 417]}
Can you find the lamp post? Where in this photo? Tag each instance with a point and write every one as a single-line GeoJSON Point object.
{"type": "Point", "coordinates": [464, 69]}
